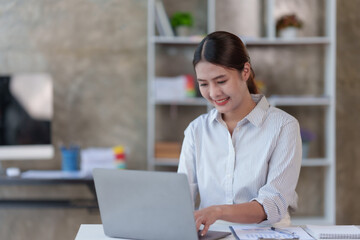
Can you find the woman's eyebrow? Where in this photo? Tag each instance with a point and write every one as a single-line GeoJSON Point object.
{"type": "Point", "coordinates": [215, 78]}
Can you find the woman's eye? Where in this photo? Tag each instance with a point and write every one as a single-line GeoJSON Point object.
{"type": "Point", "coordinates": [221, 82]}
{"type": "Point", "coordinates": [203, 84]}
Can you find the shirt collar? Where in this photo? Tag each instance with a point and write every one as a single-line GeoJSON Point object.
{"type": "Point", "coordinates": [256, 116]}
{"type": "Point", "coordinates": [214, 115]}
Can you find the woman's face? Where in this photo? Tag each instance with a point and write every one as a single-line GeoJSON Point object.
{"type": "Point", "coordinates": [223, 87]}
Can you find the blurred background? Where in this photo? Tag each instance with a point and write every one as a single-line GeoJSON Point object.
{"type": "Point", "coordinates": [97, 54]}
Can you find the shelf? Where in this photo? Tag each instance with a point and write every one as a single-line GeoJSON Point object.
{"type": "Point", "coordinates": [273, 100]}
{"type": "Point", "coordinates": [326, 44]}
{"type": "Point", "coordinates": [298, 101]}
{"type": "Point", "coordinates": [170, 162]}
{"type": "Point", "coordinates": [46, 202]}
{"type": "Point", "coordinates": [315, 162]}
{"type": "Point", "coordinates": [318, 162]}
{"type": "Point", "coordinates": [282, 41]}
{"type": "Point", "coordinates": [192, 40]}
{"type": "Point", "coordinates": [186, 101]}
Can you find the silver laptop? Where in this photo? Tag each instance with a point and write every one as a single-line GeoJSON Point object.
{"type": "Point", "coordinates": [146, 205]}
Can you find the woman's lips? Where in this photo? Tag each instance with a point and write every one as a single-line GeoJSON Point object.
{"type": "Point", "coordinates": [222, 102]}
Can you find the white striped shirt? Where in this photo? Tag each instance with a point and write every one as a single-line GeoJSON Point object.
{"type": "Point", "coordinates": [261, 160]}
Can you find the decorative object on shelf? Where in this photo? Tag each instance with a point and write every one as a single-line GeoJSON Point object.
{"type": "Point", "coordinates": [182, 23]}
{"type": "Point", "coordinates": [190, 86]}
{"type": "Point", "coordinates": [120, 157]}
{"type": "Point", "coordinates": [287, 26]}
{"type": "Point", "coordinates": [162, 20]}
{"type": "Point", "coordinates": [70, 158]}
{"type": "Point", "coordinates": [167, 150]}
{"type": "Point", "coordinates": [306, 136]}
{"type": "Point", "coordinates": [261, 86]}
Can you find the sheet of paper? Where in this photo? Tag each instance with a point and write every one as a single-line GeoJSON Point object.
{"type": "Point", "coordinates": [334, 232]}
{"type": "Point", "coordinates": [44, 174]}
{"type": "Point", "coordinates": [96, 158]}
{"type": "Point", "coordinates": [170, 88]}
{"type": "Point", "coordinates": [251, 232]}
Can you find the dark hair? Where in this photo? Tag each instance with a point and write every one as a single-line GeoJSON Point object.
{"type": "Point", "coordinates": [227, 50]}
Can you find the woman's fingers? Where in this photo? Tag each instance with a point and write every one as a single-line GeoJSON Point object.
{"type": "Point", "coordinates": [206, 217]}
{"type": "Point", "coordinates": [201, 221]}
{"type": "Point", "coordinates": [198, 222]}
{"type": "Point", "coordinates": [205, 230]}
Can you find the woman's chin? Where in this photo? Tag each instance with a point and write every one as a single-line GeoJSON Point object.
{"type": "Point", "coordinates": [221, 109]}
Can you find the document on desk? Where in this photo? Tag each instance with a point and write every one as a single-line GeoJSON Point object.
{"type": "Point", "coordinates": [249, 232]}
{"type": "Point", "coordinates": [334, 232]}
{"type": "Point", "coordinates": [52, 174]}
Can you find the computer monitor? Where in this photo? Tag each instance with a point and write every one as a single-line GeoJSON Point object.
{"type": "Point", "coordinates": [26, 110]}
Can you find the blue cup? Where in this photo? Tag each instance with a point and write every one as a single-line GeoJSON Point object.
{"type": "Point", "coordinates": [70, 158]}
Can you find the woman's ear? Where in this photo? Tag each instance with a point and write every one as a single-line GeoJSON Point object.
{"type": "Point", "coordinates": [246, 72]}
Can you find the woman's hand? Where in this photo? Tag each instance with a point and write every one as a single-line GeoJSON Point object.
{"type": "Point", "coordinates": [206, 217]}
{"type": "Point", "coordinates": [250, 212]}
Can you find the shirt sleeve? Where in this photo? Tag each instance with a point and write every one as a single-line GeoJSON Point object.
{"type": "Point", "coordinates": [187, 163]}
{"type": "Point", "coordinates": [284, 169]}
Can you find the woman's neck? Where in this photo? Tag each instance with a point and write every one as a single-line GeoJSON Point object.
{"type": "Point", "coordinates": [232, 118]}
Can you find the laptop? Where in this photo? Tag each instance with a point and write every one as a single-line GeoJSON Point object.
{"type": "Point", "coordinates": [146, 205]}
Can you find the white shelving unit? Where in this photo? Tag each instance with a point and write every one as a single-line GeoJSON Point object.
{"type": "Point", "coordinates": [153, 41]}
{"type": "Point", "coordinates": [327, 100]}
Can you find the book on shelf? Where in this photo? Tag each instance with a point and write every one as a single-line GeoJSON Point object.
{"type": "Point", "coordinates": [167, 149]}
{"type": "Point", "coordinates": [162, 21]}
{"type": "Point", "coordinates": [174, 88]}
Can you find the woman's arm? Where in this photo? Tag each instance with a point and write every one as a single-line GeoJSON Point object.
{"type": "Point", "coordinates": [283, 173]}
{"type": "Point", "coordinates": [187, 160]}
{"type": "Point", "coordinates": [251, 212]}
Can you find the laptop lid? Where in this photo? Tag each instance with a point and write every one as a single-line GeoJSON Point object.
{"type": "Point", "coordinates": [145, 205]}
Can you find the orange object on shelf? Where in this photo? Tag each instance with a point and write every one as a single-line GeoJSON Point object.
{"type": "Point", "coordinates": [167, 149]}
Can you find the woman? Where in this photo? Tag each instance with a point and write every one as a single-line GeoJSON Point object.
{"type": "Point", "coordinates": [244, 156]}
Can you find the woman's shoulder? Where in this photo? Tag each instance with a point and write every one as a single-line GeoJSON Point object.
{"type": "Point", "coordinates": [281, 117]}
{"type": "Point", "coordinates": [204, 119]}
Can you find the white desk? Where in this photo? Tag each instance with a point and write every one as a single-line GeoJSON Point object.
{"type": "Point", "coordinates": [96, 232]}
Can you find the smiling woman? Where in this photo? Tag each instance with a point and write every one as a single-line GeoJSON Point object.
{"type": "Point", "coordinates": [244, 156]}
{"type": "Point", "coordinates": [226, 89]}
{"type": "Point", "coordinates": [227, 50]}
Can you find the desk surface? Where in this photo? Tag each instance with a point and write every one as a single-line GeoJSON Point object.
{"type": "Point", "coordinates": [96, 232]}
{"type": "Point", "coordinates": [42, 179]}
{"type": "Point", "coordinates": [4, 180]}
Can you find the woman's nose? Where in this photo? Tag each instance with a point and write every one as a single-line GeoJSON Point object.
{"type": "Point", "coordinates": [215, 91]}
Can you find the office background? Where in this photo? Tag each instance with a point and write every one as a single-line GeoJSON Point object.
{"type": "Point", "coordinates": [96, 52]}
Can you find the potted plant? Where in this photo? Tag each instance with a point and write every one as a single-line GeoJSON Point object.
{"type": "Point", "coordinates": [288, 25]}
{"type": "Point", "coordinates": [306, 137]}
{"type": "Point", "coordinates": [182, 22]}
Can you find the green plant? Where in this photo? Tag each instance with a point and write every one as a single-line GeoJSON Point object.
{"type": "Point", "coordinates": [182, 19]}
{"type": "Point", "coordinates": [288, 21]}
